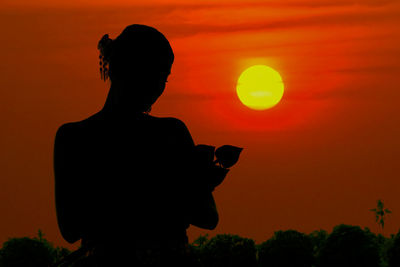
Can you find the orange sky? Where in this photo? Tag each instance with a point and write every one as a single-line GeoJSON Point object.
{"type": "Point", "coordinates": [322, 157]}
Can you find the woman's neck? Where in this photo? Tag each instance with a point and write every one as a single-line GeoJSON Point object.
{"type": "Point", "coordinates": [113, 107]}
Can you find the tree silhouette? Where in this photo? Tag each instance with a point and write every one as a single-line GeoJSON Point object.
{"type": "Point", "coordinates": [393, 252]}
{"type": "Point", "coordinates": [227, 250]}
{"type": "Point", "coordinates": [384, 243]}
{"type": "Point", "coordinates": [318, 239]}
{"type": "Point", "coordinates": [380, 213]}
{"type": "Point", "coordinates": [286, 249]}
{"type": "Point", "coordinates": [349, 246]}
{"type": "Point", "coordinates": [30, 252]}
{"type": "Point", "coordinates": [196, 249]}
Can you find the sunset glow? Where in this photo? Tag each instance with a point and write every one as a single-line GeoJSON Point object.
{"type": "Point", "coordinates": [319, 155]}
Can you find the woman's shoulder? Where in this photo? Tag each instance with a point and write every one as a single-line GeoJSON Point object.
{"type": "Point", "coordinates": [175, 127]}
{"type": "Point", "coordinates": [74, 128]}
{"type": "Point", "coordinates": [171, 123]}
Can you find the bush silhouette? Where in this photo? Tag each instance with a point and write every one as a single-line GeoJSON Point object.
{"type": "Point", "coordinates": [393, 253]}
{"type": "Point", "coordinates": [384, 243]}
{"type": "Point", "coordinates": [228, 251]}
{"type": "Point", "coordinates": [349, 246]}
{"type": "Point", "coordinates": [318, 239]}
{"type": "Point", "coordinates": [30, 252]}
{"type": "Point", "coordinates": [25, 252]}
{"type": "Point", "coordinates": [286, 248]}
{"type": "Point", "coordinates": [196, 249]}
{"type": "Point", "coordinates": [346, 246]}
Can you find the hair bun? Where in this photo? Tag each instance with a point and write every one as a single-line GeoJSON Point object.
{"type": "Point", "coordinates": [104, 47]}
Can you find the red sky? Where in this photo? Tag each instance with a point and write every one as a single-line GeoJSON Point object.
{"type": "Point", "coordinates": [322, 157]}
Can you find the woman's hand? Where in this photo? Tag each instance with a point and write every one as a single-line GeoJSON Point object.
{"type": "Point", "coordinates": [214, 164]}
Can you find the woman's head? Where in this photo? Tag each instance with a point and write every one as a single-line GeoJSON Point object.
{"type": "Point", "coordinates": [138, 63]}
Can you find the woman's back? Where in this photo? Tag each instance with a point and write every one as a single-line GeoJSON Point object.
{"type": "Point", "coordinates": [126, 175]}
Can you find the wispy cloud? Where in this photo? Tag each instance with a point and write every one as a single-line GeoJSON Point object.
{"type": "Point", "coordinates": [197, 4]}
{"type": "Point", "coordinates": [179, 20]}
{"type": "Point", "coordinates": [373, 17]}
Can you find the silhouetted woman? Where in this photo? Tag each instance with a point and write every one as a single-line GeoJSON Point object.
{"type": "Point", "coordinates": [127, 181]}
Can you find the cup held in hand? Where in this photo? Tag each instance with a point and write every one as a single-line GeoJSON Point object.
{"type": "Point", "coordinates": [228, 155]}
{"type": "Point", "coordinates": [216, 170]}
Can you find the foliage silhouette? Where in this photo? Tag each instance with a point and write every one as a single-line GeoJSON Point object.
{"type": "Point", "coordinates": [345, 246]}
{"type": "Point", "coordinates": [286, 249]}
{"type": "Point", "coordinates": [380, 213]}
{"type": "Point", "coordinates": [349, 246]}
{"type": "Point", "coordinates": [30, 252]}
{"type": "Point", "coordinates": [384, 244]}
{"type": "Point", "coordinates": [393, 252]}
{"type": "Point", "coordinates": [318, 239]}
{"type": "Point", "coordinates": [200, 241]}
{"type": "Point", "coordinates": [196, 249]}
{"type": "Point", "coordinates": [226, 250]}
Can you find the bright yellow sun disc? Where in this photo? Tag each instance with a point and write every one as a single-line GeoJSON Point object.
{"type": "Point", "coordinates": [260, 87]}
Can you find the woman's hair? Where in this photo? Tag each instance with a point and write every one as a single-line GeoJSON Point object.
{"type": "Point", "coordinates": [137, 50]}
{"type": "Point", "coordinates": [138, 63]}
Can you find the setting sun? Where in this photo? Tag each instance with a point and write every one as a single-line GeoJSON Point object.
{"type": "Point", "coordinates": [260, 87]}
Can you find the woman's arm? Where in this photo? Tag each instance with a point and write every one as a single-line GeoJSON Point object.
{"type": "Point", "coordinates": [200, 204]}
{"type": "Point", "coordinates": [204, 213]}
{"type": "Point", "coordinates": [65, 189]}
